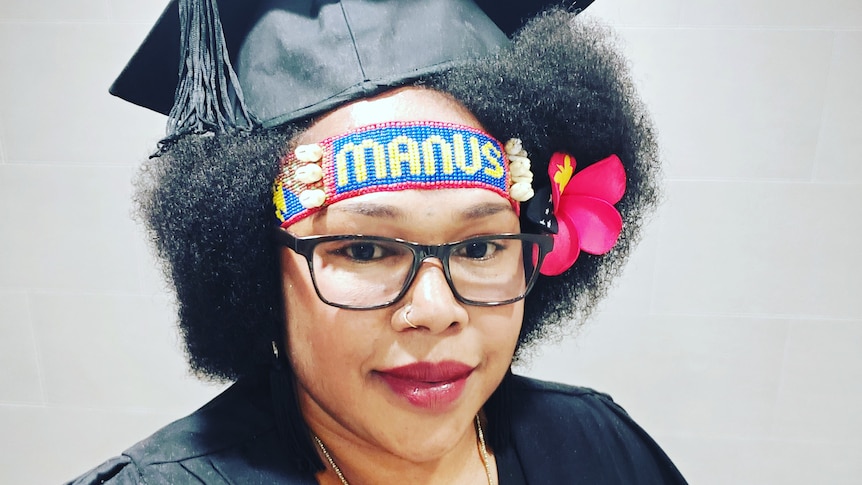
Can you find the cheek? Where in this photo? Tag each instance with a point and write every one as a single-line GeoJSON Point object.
{"type": "Point", "coordinates": [297, 288]}
{"type": "Point", "coordinates": [500, 327]}
{"type": "Point", "coordinates": [300, 306]}
{"type": "Point", "coordinates": [315, 331]}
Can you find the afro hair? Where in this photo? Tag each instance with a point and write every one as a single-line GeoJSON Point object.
{"type": "Point", "coordinates": [206, 200]}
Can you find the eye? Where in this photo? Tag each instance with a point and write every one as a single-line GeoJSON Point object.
{"type": "Point", "coordinates": [363, 251]}
{"type": "Point", "coordinates": [479, 250]}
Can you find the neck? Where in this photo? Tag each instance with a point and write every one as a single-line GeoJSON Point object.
{"type": "Point", "coordinates": [359, 466]}
{"type": "Point", "coordinates": [360, 463]}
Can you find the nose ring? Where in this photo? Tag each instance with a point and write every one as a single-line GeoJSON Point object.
{"type": "Point", "coordinates": [406, 317]}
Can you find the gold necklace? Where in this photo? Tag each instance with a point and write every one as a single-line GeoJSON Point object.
{"type": "Point", "coordinates": [483, 454]}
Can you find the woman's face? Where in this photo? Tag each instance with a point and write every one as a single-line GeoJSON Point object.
{"type": "Point", "coordinates": [367, 376]}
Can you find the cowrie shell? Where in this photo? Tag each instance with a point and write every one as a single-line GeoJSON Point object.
{"type": "Point", "coordinates": [312, 198]}
{"type": "Point", "coordinates": [308, 153]}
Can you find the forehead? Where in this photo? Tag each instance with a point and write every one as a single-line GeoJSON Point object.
{"type": "Point", "coordinates": [404, 104]}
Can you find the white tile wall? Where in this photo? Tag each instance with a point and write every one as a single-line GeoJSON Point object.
{"type": "Point", "coordinates": [51, 444]}
{"type": "Point", "coordinates": [735, 103]}
{"type": "Point", "coordinates": [730, 460]}
{"type": "Point", "coordinates": [645, 361]}
{"type": "Point", "coordinates": [760, 248]}
{"type": "Point", "coordinates": [632, 293]}
{"type": "Point", "coordinates": [135, 362]}
{"type": "Point", "coordinates": [840, 137]}
{"type": "Point", "coordinates": [765, 13]}
{"type": "Point", "coordinates": [798, 14]}
{"type": "Point", "coordinates": [136, 10]}
{"type": "Point", "coordinates": [21, 379]}
{"type": "Point", "coordinates": [637, 12]}
{"type": "Point", "coordinates": [80, 10]}
{"type": "Point", "coordinates": [67, 227]}
{"type": "Point", "coordinates": [821, 382]}
{"type": "Point", "coordinates": [54, 103]}
{"type": "Point", "coordinates": [734, 336]}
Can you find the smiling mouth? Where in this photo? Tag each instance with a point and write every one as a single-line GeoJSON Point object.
{"type": "Point", "coordinates": [432, 386]}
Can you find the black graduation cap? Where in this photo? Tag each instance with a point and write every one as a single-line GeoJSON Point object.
{"type": "Point", "coordinates": [218, 65]}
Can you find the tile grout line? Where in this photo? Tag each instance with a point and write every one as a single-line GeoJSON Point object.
{"type": "Point", "coordinates": [67, 164]}
{"type": "Point", "coordinates": [81, 21]}
{"type": "Point", "coordinates": [763, 316]}
{"type": "Point", "coordinates": [764, 180]}
{"type": "Point", "coordinates": [93, 292]}
{"type": "Point", "coordinates": [735, 27]}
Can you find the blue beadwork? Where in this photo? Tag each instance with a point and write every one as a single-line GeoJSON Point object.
{"type": "Point", "coordinates": [403, 155]}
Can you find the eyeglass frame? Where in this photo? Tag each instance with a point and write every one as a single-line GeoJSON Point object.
{"type": "Point", "coordinates": [305, 245]}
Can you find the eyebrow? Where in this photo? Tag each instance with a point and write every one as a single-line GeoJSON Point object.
{"type": "Point", "coordinates": [485, 210]}
{"type": "Point", "coordinates": [369, 209]}
{"type": "Point", "coordinates": [392, 212]}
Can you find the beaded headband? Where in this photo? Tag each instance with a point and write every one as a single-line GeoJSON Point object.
{"type": "Point", "coordinates": [398, 156]}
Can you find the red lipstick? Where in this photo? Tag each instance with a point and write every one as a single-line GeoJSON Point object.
{"type": "Point", "coordinates": [428, 385]}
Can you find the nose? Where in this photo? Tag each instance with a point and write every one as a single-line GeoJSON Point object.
{"type": "Point", "coordinates": [430, 301]}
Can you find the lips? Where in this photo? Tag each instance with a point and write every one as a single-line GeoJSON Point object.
{"type": "Point", "coordinates": [426, 385]}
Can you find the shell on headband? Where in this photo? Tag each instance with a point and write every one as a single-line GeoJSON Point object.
{"type": "Point", "coordinates": [309, 172]}
{"type": "Point", "coordinates": [521, 188]}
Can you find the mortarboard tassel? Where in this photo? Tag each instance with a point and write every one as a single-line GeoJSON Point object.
{"type": "Point", "coordinates": [208, 96]}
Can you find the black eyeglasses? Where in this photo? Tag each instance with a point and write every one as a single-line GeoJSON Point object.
{"type": "Point", "coordinates": [369, 272]}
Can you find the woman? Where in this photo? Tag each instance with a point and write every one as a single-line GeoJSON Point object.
{"type": "Point", "coordinates": [371, 323]}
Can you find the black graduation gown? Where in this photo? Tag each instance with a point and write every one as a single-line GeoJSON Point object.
{"type": "Point", "coordinates": [559, 435]}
